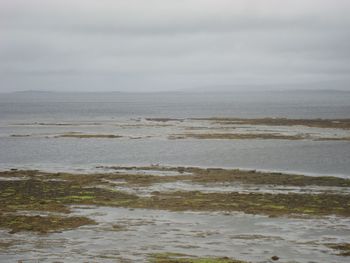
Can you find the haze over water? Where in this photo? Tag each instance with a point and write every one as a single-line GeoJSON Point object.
{"type": "Point", "coordinates": [39, 106]}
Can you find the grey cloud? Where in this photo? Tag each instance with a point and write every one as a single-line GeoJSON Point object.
{"type": "Point", "coordinates": [160, 45]}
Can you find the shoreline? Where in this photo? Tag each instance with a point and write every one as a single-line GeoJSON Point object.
{"type": "Point", "coordinates": [108, 168]}
{"type": "Point", "coordinates": [46, 205]}
{"type": "Point", "coordinates": [169, 212]}
{"type": "Point", "coordinates": [108, 188]}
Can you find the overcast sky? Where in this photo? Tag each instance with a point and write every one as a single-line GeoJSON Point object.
{"type": "Point", "coordinates": [152, 45]}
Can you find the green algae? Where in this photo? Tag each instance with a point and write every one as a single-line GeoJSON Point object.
{"type": "Point", "coordinates": [37, 194]}
{"type": "Point", "coordinates": [252, 203]}
{"type": "Point", "coordinates": [41, 224]}
{"type": "Point", "coordinates": [219, 175]}
{"type": "Point", "coordinates": [55, 192]}
{"type": "Point", "coordinates": [264, 178]}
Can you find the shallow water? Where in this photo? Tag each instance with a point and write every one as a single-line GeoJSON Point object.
{"type": "Point", "coordinates": [226, 188]}
{"type": "Point", "coordinates": [146, 142]}
{"type": "Point", "coordinates": [328, 158]}
{"type": "Point", "coordinates": [246, 237]}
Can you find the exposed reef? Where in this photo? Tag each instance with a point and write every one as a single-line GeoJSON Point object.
{"type": "Point", "coordinates": [41, 224]}
{"type": "Point", "coordinates": [55, 192]}
{"type": "Point", "coordinates": [317, 123]}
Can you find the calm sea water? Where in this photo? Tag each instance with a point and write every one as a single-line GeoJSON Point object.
{"type": "Point", "coordinates": [39, 106]}
{"type": "Point", "coordinates": [63, 153]}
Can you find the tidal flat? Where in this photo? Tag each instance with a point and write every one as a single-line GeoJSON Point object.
{"type": "Point", "coordinates": [317, 123]}
{"type": "Point", "coordinates": [81, 194]}
{"type": "Point", "coordinates": [47, 204]}
{"type": "Point", "coordinates": [179, 213]}
{"type": "Point", "coordinates": [190, 128]}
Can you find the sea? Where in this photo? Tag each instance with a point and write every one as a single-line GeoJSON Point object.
{"type": "Point", "coordinates": [30, 121]}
